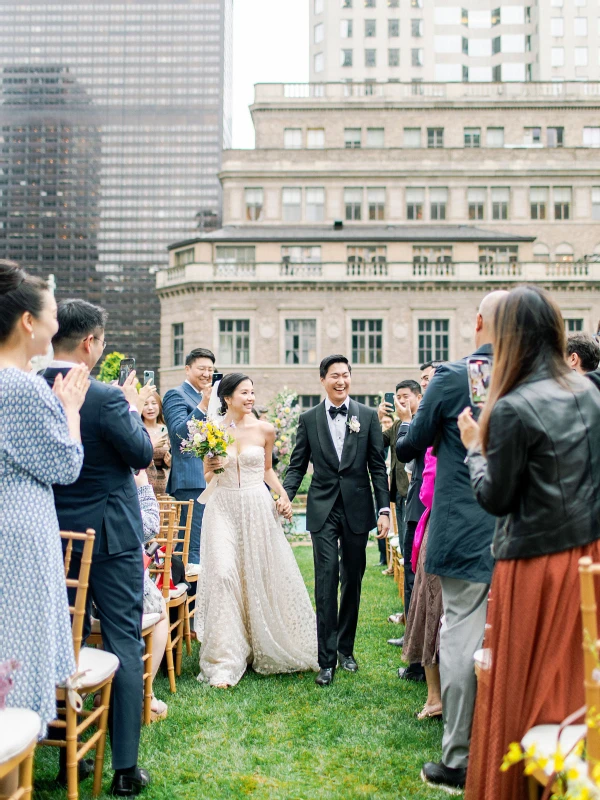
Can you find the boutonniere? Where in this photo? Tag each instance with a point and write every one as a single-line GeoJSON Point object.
{"type": "Point", "coordinates": [353, 424]}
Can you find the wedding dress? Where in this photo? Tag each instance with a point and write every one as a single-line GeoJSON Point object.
{"type": "Point", "coordinates": [252, 604]}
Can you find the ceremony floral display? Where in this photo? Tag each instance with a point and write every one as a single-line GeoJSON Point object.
{"type": "Point", "coordinates": [284, 412]}
{"type": "Point", "coordinates": [206, 438]}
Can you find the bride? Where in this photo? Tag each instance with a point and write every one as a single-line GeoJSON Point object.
{"type": "Point", "coordinates": [252, 604]}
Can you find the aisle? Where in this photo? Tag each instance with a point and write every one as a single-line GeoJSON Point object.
{"type": "Point", "coordinates": [283, 738]}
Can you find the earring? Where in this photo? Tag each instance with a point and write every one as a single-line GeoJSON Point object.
{"type": "Point", "coordinates": [33, 335]}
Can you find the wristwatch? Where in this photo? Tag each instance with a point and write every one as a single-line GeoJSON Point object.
{"type": "Point", "coordinates": [384, 512]}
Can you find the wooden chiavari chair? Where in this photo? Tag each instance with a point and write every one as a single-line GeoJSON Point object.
{"type": "Point", "coordinates": [19, 731]}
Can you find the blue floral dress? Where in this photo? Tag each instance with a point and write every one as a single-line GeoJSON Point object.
{"type": "Point", "coordinates": [35, 452]}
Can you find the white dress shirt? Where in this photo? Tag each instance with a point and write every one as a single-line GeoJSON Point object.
{"type": "Point", "coordinates": [337, 426]}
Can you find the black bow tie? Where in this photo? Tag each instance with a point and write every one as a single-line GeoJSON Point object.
{"type": "Point", "coordinates": [333, 411]}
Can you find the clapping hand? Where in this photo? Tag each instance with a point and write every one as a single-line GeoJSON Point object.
{"type": "Point", "coordinates": [72, 389]}
{"type": "Point", "coordinates": [470, 433]}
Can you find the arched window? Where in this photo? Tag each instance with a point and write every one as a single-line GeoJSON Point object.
{"type": "Point", "coordinates": [564, 253]}
{"type": "Point", "coordinates": [541, 252]}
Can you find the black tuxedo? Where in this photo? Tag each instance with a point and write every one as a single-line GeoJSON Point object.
{"type": "Point", "coordinates": [340, 508]}
{"type": "Point", "coordinates": [104, 497]}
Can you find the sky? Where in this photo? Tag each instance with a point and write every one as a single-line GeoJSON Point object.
{"type": "Point", "coordinates": [270, 45]}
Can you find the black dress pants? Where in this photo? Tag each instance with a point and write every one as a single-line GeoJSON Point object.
{"type": "Point", "coordinates": [339, 556]}
{"type": "Point", "coordinates": [409, 575]}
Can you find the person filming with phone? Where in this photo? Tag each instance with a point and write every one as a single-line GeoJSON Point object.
{"type": "Point", "coordinates": [158, 471]}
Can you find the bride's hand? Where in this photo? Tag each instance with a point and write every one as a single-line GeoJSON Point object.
{"type": "Point", "coordinates": [284, 507]}
{"type": "Point", "coordinates": [214, 463]}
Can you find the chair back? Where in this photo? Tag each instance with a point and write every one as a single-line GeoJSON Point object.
{"type": "Point", "coordinates": [80, 583]}
{"type": "Point", "coordinates": [394, 518]}
{"type": "Point", "coordinates": [166, 539]}
{"type": "Point", "coordinates": [588, 573]}
{"type": "Point", "coordinates": [183, 532]}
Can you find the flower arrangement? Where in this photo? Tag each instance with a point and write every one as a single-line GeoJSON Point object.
{"type": "Point", "coordinates": [283, 415]}
{"type": "Point", "coordinates": [206, 438]}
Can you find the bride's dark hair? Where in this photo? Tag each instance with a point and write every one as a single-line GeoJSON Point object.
{"type": "Point", "coordinates": [228, 385]}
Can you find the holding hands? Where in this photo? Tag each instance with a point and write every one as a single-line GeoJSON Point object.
{"type": "Point", "coordinates": [469, 429]}
{"type": "Point", "coordinates": [284, 507]}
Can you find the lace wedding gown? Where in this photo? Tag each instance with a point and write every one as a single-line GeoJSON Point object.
{"type": "Point", "coordinates": [252, 604]}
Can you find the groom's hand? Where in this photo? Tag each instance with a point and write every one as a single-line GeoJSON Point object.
{"type": "Point", "coordinates": [383, 526]}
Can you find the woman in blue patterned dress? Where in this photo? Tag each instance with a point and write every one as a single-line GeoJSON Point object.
{"type": "Point", "coordinates": [40, 444]}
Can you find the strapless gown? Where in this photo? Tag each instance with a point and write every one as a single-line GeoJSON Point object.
{"type": "Point", "coordinates": [252, 604]}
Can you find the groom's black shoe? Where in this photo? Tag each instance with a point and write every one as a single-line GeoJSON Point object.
{"type": "Point", "coordinates": [325, 676]}
{"type": "Point", "coordinates": [348, 663]}
{"type": "Point", "coordinates": [443, 777]}
{"type": "Point", "coordinates": [130, 785]}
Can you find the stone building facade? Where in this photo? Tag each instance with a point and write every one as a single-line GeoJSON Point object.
{"type": "Point", "coordinates": [373, 226]}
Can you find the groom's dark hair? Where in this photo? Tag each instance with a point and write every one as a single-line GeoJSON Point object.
{"type": "Point", "coordinates": [329, 360]}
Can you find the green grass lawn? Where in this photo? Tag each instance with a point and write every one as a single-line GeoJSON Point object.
{"type": "Point", "coordinates": [284, 738]}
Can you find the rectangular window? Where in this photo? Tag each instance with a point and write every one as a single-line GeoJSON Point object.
{"type": "Point", "coordinates": [495, 137]}
{"type": "Point", "coordinates": [177, 334]}
{"type": "Point", "coordinates": [497, 74]}
{"type": "Point", "coordinates": [573, 325]}
{"type": "Point", "coordinates": [498, 254]}
{"type": "Point", "coordinates": [555, 137]}
{"type": "Point", "coordinates": [367, 341]}
{"type": "Point", "coordinates": [416, 3]}
{"type": "Point", "coordinates": [292, 138]}
{"type": "Point", "coordinates": [416, 28]}
{"type": "Point", "coordinates": [591, 137]}
{"type": "Point", "coordinates": [319, 33]}
{"type": "Point", "coordinates": [370, 400]}
{"type": "Point", "coordinates": [292, 204]}
{"type": "Point", "coordinates": [319, 62]}
{"type": "Point", "coordinates": [495, 17]}
{"type": "Point", "coordinates": [476, 201]}
{"type": "Point", "coordinates": [370, 3]}
{"type": "Point", "coordinates": [352, 137]}
{"type": "Point", "coordinates": [184, 257]}
{"type": "Point", "coordinates": [353, 202]}
{"type": "Point", "coordinates": [580, 27]}
{"type": "Point", "coordinates": [393, 28]}
{"type": "Point", "coordinates": [416, 56]}
{"type": "Point", "coordinates": [496, 45]}
{"type": "Point", "coordinates": [596, 202]}
{"type": "Point", "coordinates": [315, 204]}
{"type": "Point", "coordinates": [472, 137]}
{"type": "Point", "coordinates": [538, 201]}
{"type": "Point", "coordinates": [234, 341]}
{"type": "Point", "coordinates": [300, 341]}
{"type": "Point", "coordinates": [434, 340]}
{"type": "Point", "coordinates": [581, 56]}
{"type": "Point", "coordinates": [557, 26]}
{"type": "Point", "coordinates": [562, 202]}
{"type": "Point", "coordinates": [393, 3]}
{"type": "Point", "coordinates": [297, 254]}
{"type": "Point", "coordinates": [500, 200]}
{"type": "Point", "coordinates": [235, 255]}
{"type": "Point", "coordinates": [346, 28]}
{"type": "Point", "coordinates": [315, 138]}
{"type": "Point", "coordinates": [438, 199]}
{"type": "Point", "coordinates": [557, 56]}
{"type": "Point", "coordinates": [414, 203]}
{"type": "Point", "coordinates": [318, 6]}
{"type": "Point", "coordinates": [346, 58]}
{"type": "Point", "coordinates": [376, 203]}
{"type": "Point", "coordinates": [393, 57]}
{"type": "Point", "coordinates": [370, 58]}
{"type": "Point", "coordinates": [370, 27]}
{"type": "Point", "coordinates": [532, 136]}
{"type": "Point", "coordinates": [254, 204]}
{"type": "Point", "coordinates": [412, 137]}
{"type": "Point", "coordinates": [435, 137]}
{"type": "Point", "coordinates": [346, 3]}
{"type": "Point", "coordinates": [375, 137]}
{"type": "Point", "coordinates": [366, 259]}
{"type": "Point", "coordinates": [432, 260]}
{"type": "Point", "coordinates": [308, 401]}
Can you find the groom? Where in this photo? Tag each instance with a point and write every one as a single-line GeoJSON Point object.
{"type": "Point", "coordinates": [343, 440]}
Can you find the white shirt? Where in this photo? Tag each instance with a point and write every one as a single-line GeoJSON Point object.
{"type": "Point", "coordinates": [337, 426]}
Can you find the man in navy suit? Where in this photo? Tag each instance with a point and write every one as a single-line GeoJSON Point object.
{"type": "Point", "coordinates": [104, 497]}
{"type": "Point", "coordinates": [180, 405]}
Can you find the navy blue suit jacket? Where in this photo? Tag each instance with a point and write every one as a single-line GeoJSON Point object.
{"type": "Point", "coordinates": [179, 406]}
{"type": "Point", "coordinates": [460, 531]}
{"type": "Point", "coordinates": [104, 497]}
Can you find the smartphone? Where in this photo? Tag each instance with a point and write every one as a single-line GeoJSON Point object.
{"type": "Point", "coordinates": [217, 376]}
{"type": "Point", "coordinates": [148, 376]}
{"type": "Point", "coordinates": [480, 372]}
{"type": "Point", "coordinates": [388, 398]}
{"type": "Point", "coordinates": [126, 366]}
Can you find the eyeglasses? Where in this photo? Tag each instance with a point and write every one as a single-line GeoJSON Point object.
{"type": "Point", "coordinates": [102, 341]}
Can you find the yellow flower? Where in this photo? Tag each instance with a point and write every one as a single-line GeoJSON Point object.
{"type": "Point", "coordinates": [596, 774]}
{"type": "Point", "coordinates": [287, 411]}
{"type": "Point", "coordinates": [278, 443]}
{"type": "Point", "coordinates": [559, 760]}
{"type": "Point", "coordinates": [514, 755]}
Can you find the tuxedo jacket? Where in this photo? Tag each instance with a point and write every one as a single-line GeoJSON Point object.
{"type": "Point", "coordinates": [362, 457]}
{"type": "Point", "coordinates": [179, 406]}
{"type": "Point", "coordinates": [104, 497]}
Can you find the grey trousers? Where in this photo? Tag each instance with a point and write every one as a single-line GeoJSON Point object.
{"type": "Point", "coordinates": [465, 606]}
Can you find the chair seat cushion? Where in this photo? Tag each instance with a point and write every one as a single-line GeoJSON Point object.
{"type": "Point", "coordinates": [545, 738]}
{"type": "Point", "coordinates": [180, 589]}
{"type": "Point", "coordinates": [98, 665]}
{"type": "Point", "coordinates": [483, 658]}
{"type": "Point", "coordinates": [148, 620]}
{"type": "Point", "coordinates": [19, 727]}
{"type": "Point", "coordinates": [395, 541]}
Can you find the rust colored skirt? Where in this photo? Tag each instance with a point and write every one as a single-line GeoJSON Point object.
{"type": "Point", "coordinates": [536, 675]}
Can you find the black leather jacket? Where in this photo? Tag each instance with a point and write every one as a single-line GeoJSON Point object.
{"type": "Point", "coordinates": [542, 471]}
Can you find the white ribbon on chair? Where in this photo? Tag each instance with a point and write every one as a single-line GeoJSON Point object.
{"type": "Point", "coordinates": [72, 685]}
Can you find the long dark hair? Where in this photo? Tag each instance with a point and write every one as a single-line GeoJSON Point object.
{"type": "Point", "coordinates": [159, 417]}
{"type": "Point", "coordinates": [19, 293]}
{"type": "Point", "coordinates": [228, 385]}
{"type": "Point", "coordinates": [529, 333]}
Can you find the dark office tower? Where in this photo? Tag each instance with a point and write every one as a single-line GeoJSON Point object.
{"type": "Point", "coordinates": [112, 118]}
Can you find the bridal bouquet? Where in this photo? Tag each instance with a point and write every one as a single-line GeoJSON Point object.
{"type": "Point", "coordinates": [206, 439]}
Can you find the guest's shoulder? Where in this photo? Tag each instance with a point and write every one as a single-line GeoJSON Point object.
{"type": "Point", "coordinates": [176, 390]}
{"type": "Point", "coordinates": [22, 386]}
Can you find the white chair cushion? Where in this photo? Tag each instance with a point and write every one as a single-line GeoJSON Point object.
{"type": "Point", "coordinates": [180, 589]}
{"type": "Point", "coordinates": [395, 541]}
{"type": "Point", "coordinates": [483, 658]}
{"type": "Point", "coordinates": [19, 727]}
{"type": "Point", "coordinates": [192, 569]}
{"type": "Point", "coordinates": [148, 620]}
{"type": "Point", "coordinates": [545, 737]}
{"type": "Point", "coordinates": [98, 665]}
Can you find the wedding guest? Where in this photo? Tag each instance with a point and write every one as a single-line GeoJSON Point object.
{"type": "Point", "coordinates": [458, 548]}
{"type": "Point", "coordinates": [104, 497]}
{"type": "Point", "coordinates": [534, 462]}
{"type": "Point", "coordinates": [189, 401]}
{"type": "Point", "coordinates": [583, 353]}
{"type": "Point", "coordinates": [40, 445]}
{"type": "Point", "coordinates": [427, 373]}
{"type": "Point", "coordinates": [152, 416]}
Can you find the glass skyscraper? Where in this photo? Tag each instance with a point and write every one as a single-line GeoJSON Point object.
{"type": "Point", "coordinates": [113, 114]}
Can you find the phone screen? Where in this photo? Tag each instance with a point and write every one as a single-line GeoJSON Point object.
{"type": "Point", "coordinates": [126, 366]}
{"type": "Point", "coordinates": [389, 398]}
{"type": "Point", "coordinates": [480, 373]}
{"type": "Point", "coordinates": [217, 376]}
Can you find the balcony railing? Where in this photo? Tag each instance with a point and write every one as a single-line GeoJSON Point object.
{"type": "Point", "coordinates": [395, 271]}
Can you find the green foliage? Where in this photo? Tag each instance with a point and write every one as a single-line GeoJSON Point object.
{"type": "Point", "coordinates": [305, 485]}
{"type": "Point", "coordinates": [109, 369]}
{"type": "Point", "coordinates": [283, 738]}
